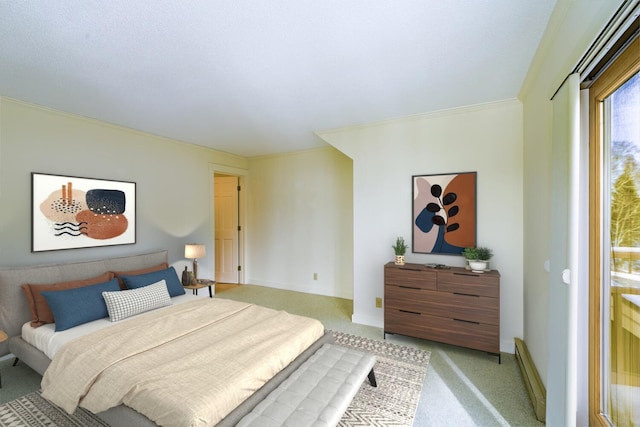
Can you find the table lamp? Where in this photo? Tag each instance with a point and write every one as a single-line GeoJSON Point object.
{"type": "Point", "coordinates": [194, 251]}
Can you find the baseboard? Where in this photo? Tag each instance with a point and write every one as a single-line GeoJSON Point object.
{"type": "Point", "coordinates": [375, 321]}
{"type": "Point", "coordinates": [532, 380]}
{"type": "Point", "coordinates": [304, 289]}
{"type": "Point", "coordinates": [507, 346]}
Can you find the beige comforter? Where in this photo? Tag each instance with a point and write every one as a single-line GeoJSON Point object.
{"type": "Point", "coordinates": [185, 365]}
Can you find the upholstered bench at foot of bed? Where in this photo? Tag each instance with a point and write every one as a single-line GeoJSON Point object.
{"type": "Point", "coordinates": [318, 392]}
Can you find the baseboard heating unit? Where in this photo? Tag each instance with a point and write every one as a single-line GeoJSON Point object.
{"type": "Point", "coordinates": [532, 380]}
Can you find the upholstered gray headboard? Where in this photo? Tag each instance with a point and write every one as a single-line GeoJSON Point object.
{"type": "Point", "coordinates": [14, 310]}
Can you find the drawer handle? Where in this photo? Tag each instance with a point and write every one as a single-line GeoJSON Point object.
{"type": "Point", "coordinates": [410, 269]}
{"type": "Point", "coordinates": [466, 321]}
{"type": "Point", "coordinates": [408, 287]}
{"type": "Point", "coordinates": [410, 312]}
{"type": "Point", "coordinates": [467, 274]}
{"type": "Point", "coordinates": [466, 295]}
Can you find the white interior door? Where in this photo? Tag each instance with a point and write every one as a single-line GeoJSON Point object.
{"type": "Point", "coordinates": [226, 228]}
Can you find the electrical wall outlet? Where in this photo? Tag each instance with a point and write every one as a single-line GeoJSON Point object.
{"type": "Point", "coordinates": [315, 276]}
{"type": "Point", "coordinates": [378, 302]}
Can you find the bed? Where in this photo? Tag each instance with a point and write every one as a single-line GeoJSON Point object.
{"type": "Point", "coordinates": [207, 359]}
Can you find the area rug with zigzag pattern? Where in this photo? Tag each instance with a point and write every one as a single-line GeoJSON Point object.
{"type": "Point", "coordinates": [399, 370]}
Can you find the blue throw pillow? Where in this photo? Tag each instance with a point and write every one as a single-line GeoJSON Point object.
{"type": "Point", "coordinates": [169, 275]}
{"type": "Point", "coordinates": [73, 307]}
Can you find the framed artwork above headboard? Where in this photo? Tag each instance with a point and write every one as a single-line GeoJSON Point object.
{"type": "Point", "coordinates": [70, 212]}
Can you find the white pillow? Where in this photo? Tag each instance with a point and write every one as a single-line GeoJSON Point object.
{"type": "Point", "coordinates": [123, 304]}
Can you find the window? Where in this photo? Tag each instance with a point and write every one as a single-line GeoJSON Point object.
{"type": "Point", "coordinates": [614, 102]}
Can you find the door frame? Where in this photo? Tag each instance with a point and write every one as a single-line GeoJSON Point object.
{"type": "Point", "coordinates": [242, 175]}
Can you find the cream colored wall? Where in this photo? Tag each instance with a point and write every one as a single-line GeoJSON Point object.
{"type": "Point", "coordinates": [485, 138]}
{"type": "Point", "coordinates": [574, 26]}
{"type": "Point", "coordinates": [300, 222]}
{"type": "Point", "coordinates": [299, 216]}
{"type": "Point", "coordinates": [174, 181]}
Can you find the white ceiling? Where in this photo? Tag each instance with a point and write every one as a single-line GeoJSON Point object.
{"type": "Point", "coordinates": [255, 77]}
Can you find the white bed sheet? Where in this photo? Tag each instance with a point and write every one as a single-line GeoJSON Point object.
{"type": "Point", "coordinates": [46, 339]}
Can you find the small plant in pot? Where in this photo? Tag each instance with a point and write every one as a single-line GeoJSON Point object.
{"type": "Point", "coordinates": [477, 257]}
{"type": "Point", "coordinates": [400, 248]}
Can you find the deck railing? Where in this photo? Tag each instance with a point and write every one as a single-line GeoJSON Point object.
{"type": "Point", "coordinates": [624, 260]}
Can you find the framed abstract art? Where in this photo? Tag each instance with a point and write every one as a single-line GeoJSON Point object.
{"type": "Point", "coordinates": [69, 212]}
{"type": "Point", "coordinates": [444, 213]}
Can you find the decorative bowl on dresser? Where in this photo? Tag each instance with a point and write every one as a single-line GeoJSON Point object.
{"type": "Point", "coordinates": [449, 305]}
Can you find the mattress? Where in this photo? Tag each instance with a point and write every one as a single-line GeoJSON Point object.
{"type": "Point", "coordinates": [47, 340]}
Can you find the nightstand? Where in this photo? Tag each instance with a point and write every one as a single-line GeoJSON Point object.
{"type": "Point", "coordinates": [202, 283]}
{"type": "Point", "coordinates": [3, 337]}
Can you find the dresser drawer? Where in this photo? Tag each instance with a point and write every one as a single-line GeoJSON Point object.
{"type": "Point", "coordinates": [473, 335]}
{"type": "Point", "coordinates": [469, 283]}
{"type": "Point", "coordinates": [444, 304]}
{"type": "Point", "coordinates": [411, 278]}
{"type": "Point", "coordinates": [407, 299]}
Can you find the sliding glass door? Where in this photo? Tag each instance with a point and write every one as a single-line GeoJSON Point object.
{"type": "Point", "coordinates": [615, 242]}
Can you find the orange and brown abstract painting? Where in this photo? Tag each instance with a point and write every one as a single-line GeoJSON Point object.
{"type": "Point", "coordinates": [72, 212]}
{"type": "Point", "coordinates": [444, 213]}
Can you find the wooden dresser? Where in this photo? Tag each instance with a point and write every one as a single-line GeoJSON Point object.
{"type": "Point", "coordinates": [453, 306]}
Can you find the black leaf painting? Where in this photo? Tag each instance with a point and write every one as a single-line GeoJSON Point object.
{"type": "Point", "coordinates": [444, 212]}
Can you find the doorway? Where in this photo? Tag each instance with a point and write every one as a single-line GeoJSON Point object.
{"type": "Point", "coordinates": [227, 228]}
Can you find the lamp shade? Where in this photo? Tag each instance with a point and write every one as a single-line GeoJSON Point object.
{"type": "Point", "coordinates": [194, 251]}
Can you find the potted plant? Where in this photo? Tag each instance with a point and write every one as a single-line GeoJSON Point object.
{"type": "Point", "coordinates": [400, 248]}
{"type": "Point", "coordinates": [484, 254]}
{"type": "Point", "coordinates": [477, 257]}
{"type": "Point", "coordinates": [470, 253]}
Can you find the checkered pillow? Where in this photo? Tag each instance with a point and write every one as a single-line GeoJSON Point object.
{"type": "Point", "coordinates": [123, 304]}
